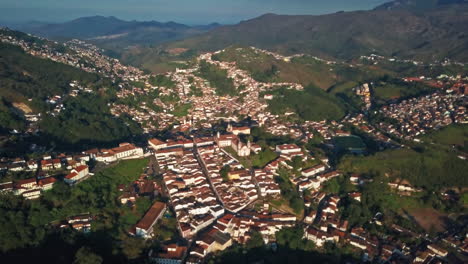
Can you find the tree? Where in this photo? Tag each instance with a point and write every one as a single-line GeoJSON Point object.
{"type": "Point", "coordinates": [256, 240]}
{"type": "Point", "coordinates": [224, 172]}
{"type": "Point", "coordinates": [132, 247]}
{"type": "Point", "coordinates": [332, 186]}
{"type": "Point", "coordinates": [85, 256]}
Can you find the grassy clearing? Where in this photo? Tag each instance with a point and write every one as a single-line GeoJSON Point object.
{"type": "Point", "coordinates": [451, 135]}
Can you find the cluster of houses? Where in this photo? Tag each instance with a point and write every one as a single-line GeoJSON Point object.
{"type": "Point", "coordinates": [361, 123]}
{"type": "Point", "coordinates": [122, 152]}
{"type": "Point", "coordinates": [325, 226]}
{"type": "Point", "coordinates": [417, 116]}
{"type": "Point", "coordinates": [198, 192]}
{"type": "Point", "coordinates": [312, 179]}
{"type": "Point", "coordinates": [194, 202]}
{"type": "Point", "coordinates": [80, 222]}
{"type": "Point", "coordinates": [364, 92]}
{"type": "Point", "coordinates": [96, 61]}
{"type": "Point", "coordinates": [39, 173]}
{"type": "Point", "coordinates": [236, 192]}
{"type": "Point", "coordinates": [204, 112]}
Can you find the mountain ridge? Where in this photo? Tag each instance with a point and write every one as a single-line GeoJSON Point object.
{"type": "Point", "coordinates": [416, 5]}
{"type": "Point", "coordinates": [431, 35]}
{"type": "Point", "coordinates": [113, 33]}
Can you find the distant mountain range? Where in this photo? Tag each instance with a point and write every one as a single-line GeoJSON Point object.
{"type": "Point", "coordinates": [414, 29]}
{"type": "Point", "coordinates": [113, 32]}
{"type": "Point", "coordinates": [434, 33]}
{"type": "Point", "coordinates": [418, 4]}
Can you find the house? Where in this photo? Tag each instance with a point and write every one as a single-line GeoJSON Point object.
{"type": "Point", "coordinates": [316, 236]}
{"type": "Point", "coordinates": [438, 250]}
{"type": "Point", "coordinates": [309, 184]}
{"type": "Point", "coordinates": [92, 153]}
{"type": "Point", "coordinates": [225, 140]}
{"type": "Point", "coordinates": [214, 240]}
{"type": "Point", "coordinates": [185, 229]}
{"type": "Point", "coordinates": [287, 148]}
{"type": "Point", "coordinates": [204, 141]}
{"type": "Point", "coordinates": [47, 183]}
{"type": "Point", "coordinates": [127, 150]}
{"type": "Point", "coordinates": [157, 144]}
{"type": "Point", "coordinates": [32, 165]}
{"type": "Point", "coordinates": [77, 174]}
{"type": "Point", "coordinates": [16, 167]}
{"type": "Point", "coordinates": [169, 254]}
{"type": "Point", "coordinates": [123, 151]}
{"type": "Point", "coordinates": [144, 228]}
{"type": "Point", "coordinates": [26, 184]}
{"type": "Point", "coordinates": [356, 196]}
{"type": "Point", "coordinates": [164, 153]}
{"type": "Point", "coordinates": [256, 148]}
{"type": "Point", "coordinates": [359, 243]}
{"type": "Point", "coordinates": [310, 218]}
{"type": "Point", "coordinates": [47, 164]}
{"type": "Point", "coordinates": [313, 171]}
{"type": "Point", "coordinates": [238, 130]}
{"type": "Point", "coordinates": [6, 187]}
{"type": "Point", "coordinates": [57, 163]}
{"type": "Point", "coordinates": [32, 194]}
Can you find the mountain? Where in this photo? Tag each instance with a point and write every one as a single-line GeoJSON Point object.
{"type": "Point", "coordinates": [114, 33]}
{"type": "Point", "coordinates": [417, 4]}
{"type": "Point", "coordinates": [428, 35]}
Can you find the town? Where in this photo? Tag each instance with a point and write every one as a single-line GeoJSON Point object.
{"type": "Point", "coordinates": [204, 175]}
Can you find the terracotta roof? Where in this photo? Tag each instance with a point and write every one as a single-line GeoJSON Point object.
{"type": "Point", "coordinates": [150, 217]}
{"type": "Point", "coordinates": [71, 175]}
{"type": "Point", "coordinates": [81, 167]}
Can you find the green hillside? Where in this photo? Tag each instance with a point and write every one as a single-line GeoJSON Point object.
{"type": "Point", "coordinates": [304, 70]}
{"type": "Point", "coordinates": [24, 76]}
{"type": "Point", "coordinates": [30, 80]}
{"type": "Point", "coordinates": [310, 104]}
{"type": "Point", "coordinates": [430, 167]}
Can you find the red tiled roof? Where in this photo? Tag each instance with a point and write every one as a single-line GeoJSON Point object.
{"type": "Point", "coordinates": [150, 216]}
{"type": "Point", "coordinates": [71, 175]}
{"type": "Point", "coordinates": [81, 168]}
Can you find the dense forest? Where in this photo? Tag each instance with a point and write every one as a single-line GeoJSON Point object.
{"type": "Point", "coordinates": [84, 119]}
{"type": "Point", "coordinates": [25, 224]}
{"type": "Point", "coordinates": [8, 118]}
{"type": "Point", "coordinates": [23, 75]}
{"type": "Point", "coordinates": [87, 118]}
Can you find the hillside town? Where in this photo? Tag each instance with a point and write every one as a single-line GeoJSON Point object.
{"type": "Point", "coordinates": [201, 173]}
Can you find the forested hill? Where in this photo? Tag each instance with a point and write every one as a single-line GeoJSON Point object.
{"type": "Point", "coordinates": [26, 82]}
{"type": "Point", "coordinates": [24, 76]}
{"type": "Point", "coordinates": [428, 35]}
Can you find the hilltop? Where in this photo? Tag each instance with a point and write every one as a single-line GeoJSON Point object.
{"type": "Point", "coordinates": [417, 4]}
{"type": "Point", "coordinates": [429, 35]}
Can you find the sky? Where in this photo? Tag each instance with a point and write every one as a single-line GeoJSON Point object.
{"type": "Point", "coordinates": [193, 12]}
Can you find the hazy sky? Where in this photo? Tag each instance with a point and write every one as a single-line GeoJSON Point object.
{"type": "Point", "coordinates": [184, 11]}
